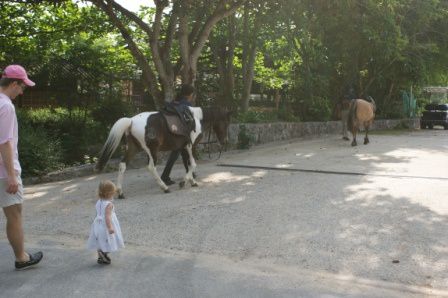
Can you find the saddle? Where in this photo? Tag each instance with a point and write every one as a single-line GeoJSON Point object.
{"type": "Point", "coordinates": [179, 119]}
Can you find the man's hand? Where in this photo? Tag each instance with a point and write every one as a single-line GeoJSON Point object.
{"type": "Point", "coordinates": [13, 185]}
{"type": "Point", "coordinates": [111, 231]}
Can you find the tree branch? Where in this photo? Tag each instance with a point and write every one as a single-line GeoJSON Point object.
{"type": "Point", "coordinates": [133, 17]}
{"type": "Point", "coordinates": [219, 13]}
{"type": "Point", "coordinates": [154, 43]}
{"type": "Point", "coordinates": [138, 55]}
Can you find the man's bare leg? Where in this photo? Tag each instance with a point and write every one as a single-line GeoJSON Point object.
{"type": "Point", "coordinates": [14, 231]}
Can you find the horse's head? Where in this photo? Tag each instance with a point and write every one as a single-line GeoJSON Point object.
{"type": "Point", "coordinates": [218, 119]}
{"type": "Point", "coordinates": [372, 101]}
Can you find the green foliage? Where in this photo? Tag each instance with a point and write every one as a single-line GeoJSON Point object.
{"type": "Point", "coordinates": [77, 133]}
{"type": "Point", "coordinates": [256, 116]}
{"type": "Point", "coordinates": [393, 111]}
{"type": "Point", "coordinates": [38, 152]}
{"type": "Point", "coordinates": [109, 110]}
{"type": "Point", "coordinates": [245, 139]}
{"type": "Point", "coordinates": [421, 103]}
{"type": "Point", "coordinates": [263, 116]}
{"type": "Point", "coordinates": [286, 114]}
{"type": "Point", "coordinates": [403, 124]}
{"type": "Point", "coordinates": [68, 48]}
{"type": "Point", "coordinates": [314, 109]}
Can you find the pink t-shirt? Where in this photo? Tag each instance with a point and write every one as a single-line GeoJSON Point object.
{"type": "Point", "coordinates": [8, 132]}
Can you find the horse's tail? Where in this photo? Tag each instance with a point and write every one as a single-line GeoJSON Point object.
{"type": "Point", "coordinates": [112, 142]}
{"type": "Point", "coordinates": [352, 115]}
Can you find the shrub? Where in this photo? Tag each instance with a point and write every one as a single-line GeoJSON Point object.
{"type": "Point", "coordinates": [318, 109]}
{"type": "Point", "coordinates": [285, 114]}
{"type": "Point", "coordinates": [38, 152]}
{"type": "Point", "coordinates": [245, 139]}
{"type": "Point", "coordinates": [109, 110]}
{"type": "Point", "coordinates": [76, 131]}
{"type": "Point", "coordinates": [254, 116]}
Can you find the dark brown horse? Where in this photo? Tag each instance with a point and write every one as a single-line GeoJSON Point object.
{"type": "Point", "coordinates": [362, 113]}
{"type": "Point", "coordinates": [149, 132]}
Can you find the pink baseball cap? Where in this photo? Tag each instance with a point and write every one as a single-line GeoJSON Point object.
{"type": "Point", "coordinates": [17, 72]}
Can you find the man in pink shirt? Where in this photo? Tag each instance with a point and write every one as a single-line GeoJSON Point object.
{"type": "Point", "coordinates": [13, 82]}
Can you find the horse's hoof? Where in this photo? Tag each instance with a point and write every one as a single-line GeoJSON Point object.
{"type": "Point", "coordinates": [121, 196]}
{"type": "Point", "coordinates": [195, 185]}
{"type": "Point", "coordinates": [353, 144]}
{"type": "Point", "coordinates": [366, 142]}
{"type": "Point", "coordinates": [167, 190]}
{"type": "Point", "coordinates": [182, 184]}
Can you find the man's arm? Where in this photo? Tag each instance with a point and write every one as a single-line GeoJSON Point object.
{"type": "Point", "coordinates": [7, 154]}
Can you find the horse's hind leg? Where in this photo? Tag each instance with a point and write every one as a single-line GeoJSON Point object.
{"type": "Point", "coordinates": [366, 138]}
{"type": "Point", "coordinates": [186, 159]}
{"type": "Point", "coordinates": [131, 150]}
{"type": "Point", "coordinates": [121, 170]}
{"type": "Point", "coordinates": [152, 167]}
{"type": "Point", "coordinates": [354, 131]}
{"type": "Point", "coordinates": [189, 176]}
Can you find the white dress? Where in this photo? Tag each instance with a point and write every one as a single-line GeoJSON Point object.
{"type": "Point", "coordinates": [99, 235]}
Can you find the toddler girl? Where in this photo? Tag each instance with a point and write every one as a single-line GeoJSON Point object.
{"type": "Point", "coordinates": [105, 234]}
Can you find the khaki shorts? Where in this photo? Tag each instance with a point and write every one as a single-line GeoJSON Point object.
{"type": "Point", "coordinates": [7, 199]}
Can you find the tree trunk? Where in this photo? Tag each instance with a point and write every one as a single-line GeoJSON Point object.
{"type": "Point", "coordinates": [223, 50]}
{"type": "Point", "coordinates": [248, 79]}
{"type": "Point", "coordinates": [248, 56]}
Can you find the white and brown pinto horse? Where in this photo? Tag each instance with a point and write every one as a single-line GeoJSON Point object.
{"type": "Point", "coordinates": [148, 131]}
{"type": "Point", "coordinates": [361, 113]}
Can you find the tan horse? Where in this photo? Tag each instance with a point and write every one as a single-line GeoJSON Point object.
{"type": "Point", "coordinates": [362, 113]}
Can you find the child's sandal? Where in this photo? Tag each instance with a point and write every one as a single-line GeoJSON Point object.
{"type": "Point", "coordinates": [103, 259]}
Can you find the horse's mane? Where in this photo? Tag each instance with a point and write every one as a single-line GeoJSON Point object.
{"type": "Point", "coordinates": [214, 114]}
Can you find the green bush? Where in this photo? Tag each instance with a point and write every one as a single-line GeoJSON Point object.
{"type": "Point", "coordinates": [76, 131]}
{"type": "Point", "coordinates": [38, 153]}
{"type": "Point", "coordinates": [107, 111]}
{"type": "Point", "coordinates": [286, 114]}
{"type": "Point", "coordinates": [245, 139]}
{"type": "Point", "coordinates": [403, 124]}
{"type": "Point", "coordinates": [254, 116]}
{"type": "Point", "coordinates": [318, 109]}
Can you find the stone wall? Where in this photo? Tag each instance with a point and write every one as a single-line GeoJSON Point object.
{"type": "Point", "coordinates": [260, 133]}
{"type": "Point", "coordinates": [272, 132]}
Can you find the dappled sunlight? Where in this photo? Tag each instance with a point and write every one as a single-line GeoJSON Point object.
{"type": "Point", "coordinates": [91, 178]}
{"type": "Point", "coordinates": [283, 166]}
{"type": "Point", "coordinates": [259, 173]}
{"type": "Point", "coordinates": [233, 200]}
{"type": "Point", "coordinates": [368, 190]}
{"type": "Point", "coordinates": [305, 155]}
{"type": "Point", "coordinates": [367, 157]}
{"type": "Point", "coordinates": [250, 183]}
{"type": "Point", "coordinates": [228, 177]}
{"type": "Point", "coordinates": [405, 153]}
{"type": "Point", "coordinates": [71, 188]}
{"type": "Point", "coordinates": [224, 177]}
{"type": "Point", "coordinates": [35, 195]}
{"type": "Point", "coordinates": [296, 232]}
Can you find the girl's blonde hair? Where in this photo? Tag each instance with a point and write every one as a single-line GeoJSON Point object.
{"type": "Point", "coordinates": [106, 189]}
